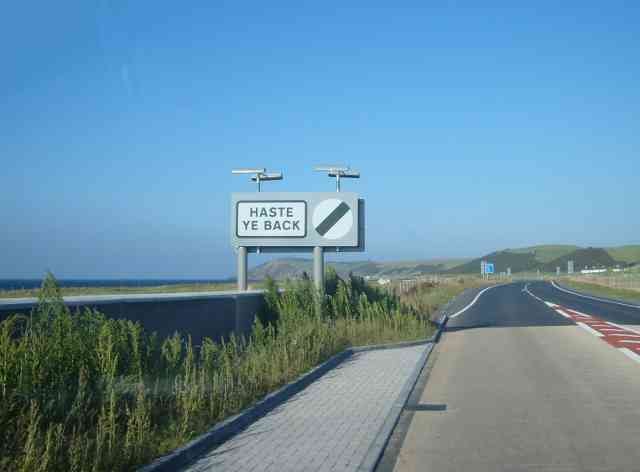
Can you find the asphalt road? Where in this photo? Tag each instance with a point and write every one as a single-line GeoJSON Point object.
{"type": "Point", "coordinates": [520, 384]}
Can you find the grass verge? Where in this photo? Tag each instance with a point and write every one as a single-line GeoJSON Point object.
{"type": "Point", "coordinates": [81, 392]}
{"type": "Point", "coordinates": [169, 288]}
{"type": "Point", "coordinates": [632, 296]}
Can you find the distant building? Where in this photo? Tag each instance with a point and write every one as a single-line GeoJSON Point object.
{"type": "Point", "coordinates": [592, 271]}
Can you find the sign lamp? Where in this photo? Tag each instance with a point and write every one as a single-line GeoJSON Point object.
{"type": "Point", "coordinates": [259, 174]}
{"type": "Point", "coordinates": [338, 172]}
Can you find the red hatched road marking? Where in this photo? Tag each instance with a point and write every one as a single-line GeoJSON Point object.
{"type": "Point", "coordinates": [617, 336]}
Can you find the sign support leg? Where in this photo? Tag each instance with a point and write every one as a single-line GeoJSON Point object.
{"type": "Point", "coordinates": [242, 269]}
{"type": "Point", "coordinates": [318, 268]}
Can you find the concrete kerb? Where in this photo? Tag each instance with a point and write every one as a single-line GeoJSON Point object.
{"type": "Point", "coordinates": [377, 447]}
{"type": "Point", "coordinates": [376, 450]}
{"type": "Point", "coordinates": [231, 426]}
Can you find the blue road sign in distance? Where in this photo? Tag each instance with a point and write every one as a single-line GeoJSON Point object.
{"type": "Point", "coordinates": [488, 268]}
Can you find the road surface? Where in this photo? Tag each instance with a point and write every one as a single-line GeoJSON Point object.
{"type": "Point", "coordinates": [529, 378]}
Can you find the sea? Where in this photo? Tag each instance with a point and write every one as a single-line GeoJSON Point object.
{"type": "Point", "coordinates": [16, 284]}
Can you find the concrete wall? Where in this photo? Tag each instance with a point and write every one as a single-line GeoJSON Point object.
{"type": "Point", "coordinates": [204, 314]}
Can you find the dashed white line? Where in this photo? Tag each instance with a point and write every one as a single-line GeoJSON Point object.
{"type": "Point", "coordinates": [603, 329]}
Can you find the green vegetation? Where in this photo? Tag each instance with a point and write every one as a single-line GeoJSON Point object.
{"type": "Point", "coordinates": [545, 253]}
{"type": "Point", "coordinates": [545, 257]}
{"type": "Point", "coordinates": [81, 392]}
{"type": "Point", "coordinates": [294, 267]}
{"type": "Point", "coordinates": [629, 254]}
{"type": "Point", "coordinates": [173, 288]}
{"type": "Point", "coordinates": [632, 296]}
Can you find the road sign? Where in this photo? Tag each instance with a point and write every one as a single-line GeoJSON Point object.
{"type": "Point", "coordinates": [271, 219]}
{"type": "Point", "coordinates": [489, 268]}
{"type": "Point", "coordinates": [332, 218]}
{"type": "Point", "coordinates": [297, 221]}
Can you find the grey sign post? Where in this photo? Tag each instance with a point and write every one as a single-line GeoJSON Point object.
{"type": "Point", "coordinates": [569, 267]}
{"type": "Point", "coordinates": [318, 252]}
{"type": "Point", "coordinates": [259, 175]}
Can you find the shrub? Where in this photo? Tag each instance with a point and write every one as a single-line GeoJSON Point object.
{"type": "Point", "coordinates": [82, 392]}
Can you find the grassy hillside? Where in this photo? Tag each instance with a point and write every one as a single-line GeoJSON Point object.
{"type": "Point", "coordinates": [546, 252]}
{"type": "Point", "coordinates": [527, 259]}
{"type": "Point", "coordinates": [629, 254]}
{"type": "Point", "coordinates": [293, 267]}
{"type": "Point", "coordinates": [582, 258]}
{"type": "Point", "coordinates": [519, 262]}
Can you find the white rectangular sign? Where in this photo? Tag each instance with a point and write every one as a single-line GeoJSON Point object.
{"type": "Point", "coordinates": [271, 219]}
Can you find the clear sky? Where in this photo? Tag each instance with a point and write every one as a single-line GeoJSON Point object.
{"type": "Point", "coordinates": [475, 128]}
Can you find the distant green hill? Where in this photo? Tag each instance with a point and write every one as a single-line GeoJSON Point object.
{"type": "Point", "coordinates": [546, 252]}
{"type": "Point", "coordinates": [582, 258]}
{"type": "Point", "coordinates": [518, 262]}
{"type": "Point", "coordinates": [629, 254]}
{"type": "Point", "coordinates": [294, 267]}
{"type": "Point", "coordinates": [527, 259]}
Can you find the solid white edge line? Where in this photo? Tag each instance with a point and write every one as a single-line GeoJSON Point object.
{"type": "Point", "coordinates": [603, 300]}
{"type": "Point", "coordinates": [589, 329]}
{"type": "Point", "coordinates": [473, 301]}
{"type": "Point", "coordinates": [559, 311]}
{"type": "Point", "coordinates": [629, 353]}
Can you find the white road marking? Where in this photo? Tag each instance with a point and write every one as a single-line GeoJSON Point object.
{"type": "Point", "coordinates": [564, 314]}
{"type": "Point", "coordinates": [473, 301]}
{"type": "Point", "coordinates": [527, 291]}
{"type": "Point", "coordinates": [578, 315]}
{"type": "Point", "coordinates": [579, 312]}
{"type": "Point", "coordinates": [623, 327]}
{"type": "Point", "coordinates": [594, 298]}
{"type": "Point", "coordinates": [589, 329]}
{"type": "Point", "coordinates": [630, 354]}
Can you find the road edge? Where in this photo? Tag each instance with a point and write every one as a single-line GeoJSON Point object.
{"type": "Point", "coordinates": [379, 443]}
{"type": "Point", "coordinates": [593, 297]}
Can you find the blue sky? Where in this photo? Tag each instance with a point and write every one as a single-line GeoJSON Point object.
{"type": "Point", "coordinates": [475, 128]}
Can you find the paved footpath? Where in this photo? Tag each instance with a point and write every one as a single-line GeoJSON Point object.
{"type": "Point", "coordinates": [328, 426]}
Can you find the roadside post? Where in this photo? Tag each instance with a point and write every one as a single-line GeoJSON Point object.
{"type": "Point", "coordinates": [302, 222]}
{"type": "Point", "coordinates": [569, 267]}
{"type": "Point", "coordinates": [558, 271]}
{"type": "Point", "coordinates": [259, 175]}
{"type": "Point", "coordinates": [318, 252]}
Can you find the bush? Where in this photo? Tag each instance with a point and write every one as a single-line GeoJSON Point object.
{"type": "Point", "coordinates": [82, 392]}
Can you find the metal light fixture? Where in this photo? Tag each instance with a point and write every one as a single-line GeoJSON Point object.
{"type": "Point", "coordinates": [338, 172]}
{"type": "Point", "coordinates": [260, 174]}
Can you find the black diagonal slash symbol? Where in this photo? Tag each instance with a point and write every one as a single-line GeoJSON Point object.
{"type": "Point", "coordinates": [332, 218]}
